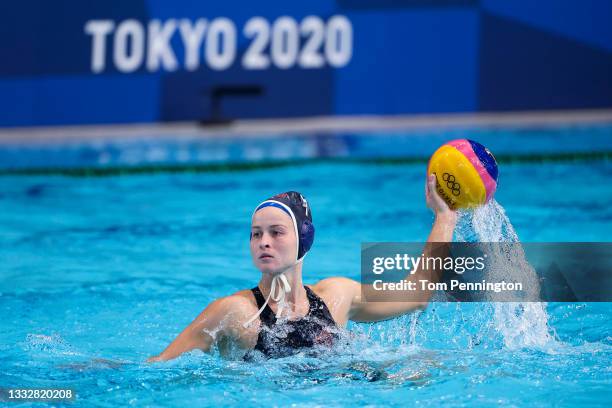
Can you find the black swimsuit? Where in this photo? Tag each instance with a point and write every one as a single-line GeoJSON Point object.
{"type": "Point", "coordinates": [288, 337]}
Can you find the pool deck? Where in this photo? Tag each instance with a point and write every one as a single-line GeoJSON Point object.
{"type": "Point", "coordinates": [304, 126]}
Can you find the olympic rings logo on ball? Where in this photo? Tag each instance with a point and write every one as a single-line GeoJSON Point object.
{"type": "Point", "coordinates": [452, 184]}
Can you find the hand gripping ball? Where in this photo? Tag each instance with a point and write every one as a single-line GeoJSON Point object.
{"type": "Point", "coordinates": [466, 173]}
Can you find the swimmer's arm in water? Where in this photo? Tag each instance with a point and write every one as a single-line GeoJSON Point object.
{"type": "Point", "coordinates": [352, 306]}
{"type": "Point", "coordinates": [209, 326]}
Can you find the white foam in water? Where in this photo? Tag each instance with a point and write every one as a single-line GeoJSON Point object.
{"type": "Point", "coordinates": [522, 324]}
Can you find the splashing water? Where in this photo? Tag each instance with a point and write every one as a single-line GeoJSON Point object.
{"type": "Point", "coordinates": [521, 324]}
{"type": "Point", "coordinates": [464, 326]}
{"type": "Point", "coordinates": [101, 273]}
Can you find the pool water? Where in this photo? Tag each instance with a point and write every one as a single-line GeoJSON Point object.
{"type": "Point", "coordinates": [99, 273]}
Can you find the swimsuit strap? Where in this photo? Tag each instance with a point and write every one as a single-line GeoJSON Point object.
{"type": "Point", "coordinates": [305, 332]}
{"type": "Point", "coordinates": [278, 290]}
{"type": "Point", "coordinates": [267, 316]}
{"type": "Point", "coordinates": [318, 308]}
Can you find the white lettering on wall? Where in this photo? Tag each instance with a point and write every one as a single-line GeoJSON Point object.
{"type": "Point", "coordinates": [129, 46]}
{"type": "Point", "coordinates": [286, 43]}
{"type": "Point", "coordinates": [192, 35]}
{"type": "Point", "coordinates": [159, 50]}
{"type": "Point", "coordinates": [98, 29]}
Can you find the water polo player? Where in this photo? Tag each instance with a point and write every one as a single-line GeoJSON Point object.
{"type": "Point", "coordinates": [281, 315]}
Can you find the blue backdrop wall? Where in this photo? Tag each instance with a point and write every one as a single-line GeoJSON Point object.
{"type": "Point", "coordinates": [75, 62]}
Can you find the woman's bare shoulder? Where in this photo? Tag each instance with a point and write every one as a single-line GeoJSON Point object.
{"type": "Point", "coordinates": [231, 312]}
{"type": "Point", "coordinates": [243, 300]}
{"type": "Point", "coordinates": [334, 284]}
{"type": "Point", "coordinates": [338, 294]}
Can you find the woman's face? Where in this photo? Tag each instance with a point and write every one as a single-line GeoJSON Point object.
{"type": "Point", "coordinates": [273, 240]}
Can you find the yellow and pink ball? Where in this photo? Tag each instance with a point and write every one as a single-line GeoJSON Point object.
{"type": "Point", "coordinates": [466, 173]}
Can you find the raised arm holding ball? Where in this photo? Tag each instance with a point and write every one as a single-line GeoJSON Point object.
{"type": "Point", "coordinates": [281, 316]}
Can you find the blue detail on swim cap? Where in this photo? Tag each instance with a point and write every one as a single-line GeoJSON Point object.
{"type": "Point", "coordinates": [486, 158]}
{"type": "Point", "coordinates": [273, 204]}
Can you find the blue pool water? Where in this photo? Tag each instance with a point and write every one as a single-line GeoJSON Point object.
{"type": "Point", "coordinates": [115, 267]}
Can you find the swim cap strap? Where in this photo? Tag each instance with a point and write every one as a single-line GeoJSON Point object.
{"type": "Point", "coordinates": [277, 293]}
